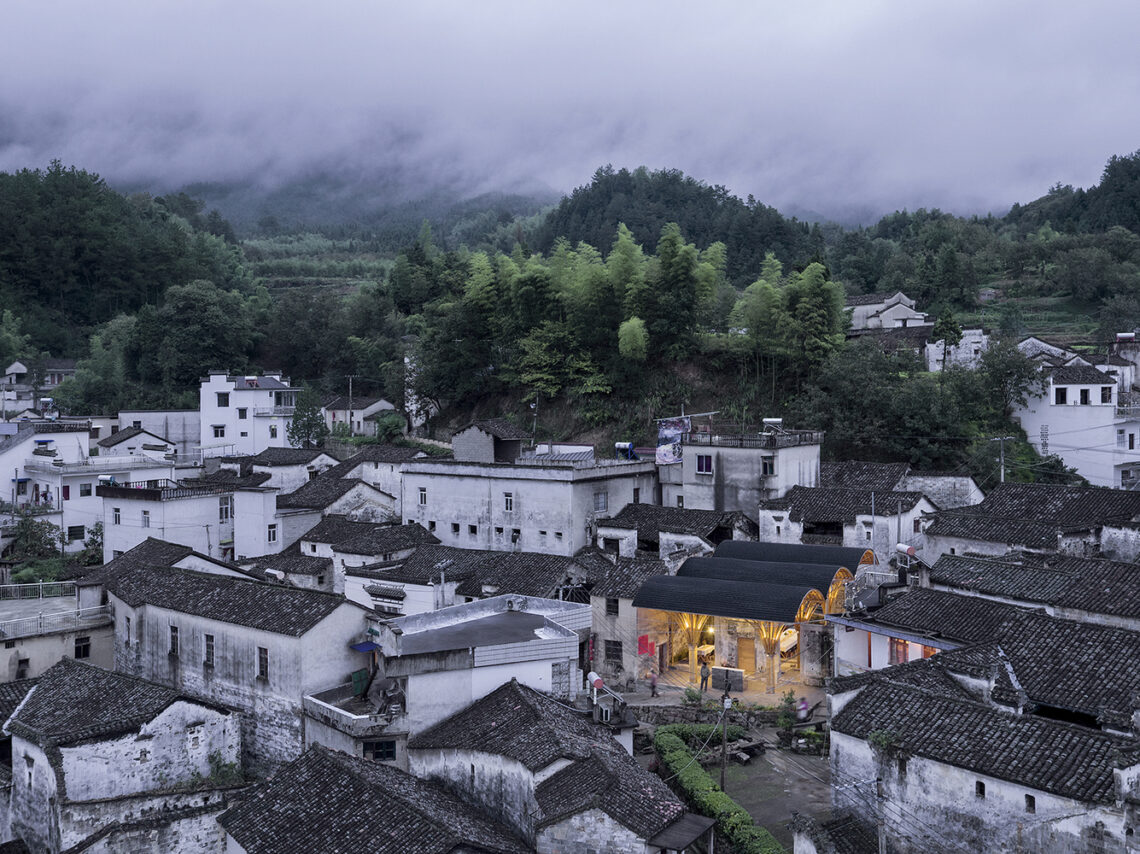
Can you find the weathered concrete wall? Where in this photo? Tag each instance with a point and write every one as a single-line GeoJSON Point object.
{"type": "Point", "coordinates": [171, 821]}
{"type": "Point", "coordinates": [590, 832]}
{"type": "Point", "coordinates": [473, 445]}
{"type": "Point", "coordinates": [499, 786]}
{"type": "Point", "coordinates": [42, 651]}
{"type": "Point", "coordinates": [167, 751]}
{"type": "Point", "coordinates": [936, 807]}
{"type": "Point", "coordinates": [945, 491]}
{"type": "Point", "coordinates": [35, 797]}
{"type": "Point", "coordinates": [1120, 543]}
{"type": "Point", "coordinates": [194, 832]}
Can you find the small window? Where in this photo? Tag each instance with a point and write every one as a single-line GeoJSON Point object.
{"type": "Point", "coordinates": [601, 502]}
{"type": "Point", "coordinates": [22, 667]}
{"type": "Point", "coordinates": [271, 534]}
{"type": "Point", "coordinates": [219, 431]}
{"type": "Point", "coordinates": [66, 490]}
{"type": "Point", "coordinates": [612, 607]}
{"type": "Point", "coordinates": [472, 530]}
{"type": "Point", "coordinates": [423, 496]}
{"type": "Point", "coordinates": [454, 528]}
{"type": "Point", "coordinates": [173, 640]}
{"type": "Point", "coordinates": [313, 548]}
{"type": "Point", "coordinates": [1030, 803]}
{"type": "Point", "coordinates": [22, 487]}
{"type": "Point", "coordinates": [917, 525]}
{"type": "Point", "coordinates": [704, 464]}
{"type": "Point", "coordinates": [508, 502]}
{"type": "Point", "coordinates": [116, 516]}
{"type": "Point", "coordinates": [498, 533]}
{"type": "Point", "coordinates": [116, 553]}
{"type": "Point", "coordinates": [637, 495]}
{"type": "Point", "coordinates": [868, 536]}
{"type": "Point", "coordinates": [431, 524]}
{"type": "Point", "coordinates": [127, 631]}
{"type": "Point", "coordinates": [1084, 397]}
{"type": "Point", "coordinates": [979, 789]}
{"type": "Point", "coordinates": [1120, 438]}
{"type": "Point", "coordinates": [272, 431]}
{"type": "Point", "coordinates": [1106, 394]}
{"type": "Point", "coordinates": [9, 644]}
{"type": "Point", "coordinates": [95, 432]}
{"type": "Point", "coordinates": [225, 508]}
{"type": "Point", "coordinates": [1060, 396]}
{"type": "Point", "coordinates": [380, 751]}
{"type": "Point", "coordinates": [902, 766]}
{"type": "Point", "coordinates": [898, 651]}
{"type": "Point", "coordinates": [84, 490]}
{"type": "Point", "coordinates": [320, 580]}
{"type": "Point", "coordinates": [137, 425]}
{"type": "Point", "coordinates": [223, 398]}
{"type": "Point", "coordinates": [75, 532]}
{"type": "Point", "coordinates": [242, 413]}
{"type": "Point", "coordinates": [516, 535]}
{"type": "Point", "coordinates": [681, 501]}
{"type": "Point", "coordinates": [208, 655]}
{"type": "Point", "coordinates": [558, 536]}
{"type": "Point", "coordinates": [542, 534]}
{"type": "Point", "coordinates": [244, 434]}
{"type": "Point", "coordinates": [613, 651]}
{"type": "Point", "coordinates": [83, 647]}
{"type": "Point", "coordinates": [262, 663]}
{"type": "Point", "coordinates": [146, 518]}
{"type": "Point", "coordinates": [767, 466]}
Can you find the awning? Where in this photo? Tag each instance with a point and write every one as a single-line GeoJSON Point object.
{"type": "Point", "coordinates": [364, 646]}
{"type": "Point", "coordinates": [683, 832]}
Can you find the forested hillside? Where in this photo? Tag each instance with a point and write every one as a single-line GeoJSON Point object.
{"type": "Point", "coordinates": [638, 293]}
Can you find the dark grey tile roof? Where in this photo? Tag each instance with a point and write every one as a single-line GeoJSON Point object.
{"type": "Point", "coordinates": [524, 573]}
{"type": "Point", "coordinates": [818, 576]}
{"type": "Point", "coordinates": [125, 434]}
{"type": "Point", "coordinates": [53, 364]}
{"type": "Point", "coordinates": [1064, 759]}
{"type": "Point", "coordinates": [625, 578]}
{"type": "Point", "coordinates": [500, 428]}
{"type": "Point", "coordinates": [596, 563]}
{"type": "Point", "coordinates": [333, 528]}
{"type": "Point", "coordinates": [287, 456]}
{"type": "Point", "coordinates": [230, 478]}
{"type": "Point", "coordinates": [342, 401]}
{"type": "Point", "coordinates": [318, 493]}
{"type": "Point", "coordinates": [960, 619]}
{"type": "Point", "coordinates": [819, 504]}
{"type": "Point", "coordinates": [385, 591]}
{"type": "Point", "coordinates": [292, 562]}
{"type": "Point", "coordinates": [868, 299]}
{"type": "Point", "coordinates": [745, 600]}
{"type": "Point", "coordinates": [12, 694]}
{"type": "Point", "coordinates": [1085, 584]}
{"type": "Point", "coordinates": [521, 724]}
{"type": "Point", "coordinates": [389, 454]}
{"type": "Point", "coordinates": [257, 605]}
{"type": "Point", "coordinates": [1080, 375]}
{"type": "Point", "coordinates": [1032, 515]}
{"type": "Point", "coordinates": [650, 519]}
{"type": "Point", "coordinates": [73, 702]}
{"type": "Point", "coordinates": [263, 382]}
{"type": "Point", "coordinates": [851, 474]}
{"type": "Point", "coordinates": [379, 539]}
{"type": "Point", "coordinates": [149, 553]}
{"type": "Point", "coordinates": [337, 804]}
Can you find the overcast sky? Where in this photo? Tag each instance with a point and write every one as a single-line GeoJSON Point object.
{"type": "Point", "coordinates": [968, 106]}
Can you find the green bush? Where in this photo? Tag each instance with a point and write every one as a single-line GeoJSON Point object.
{"type": "Point", "coordinates": [695, 735]}
{"type": "Point", "coordinates": [704, 795]}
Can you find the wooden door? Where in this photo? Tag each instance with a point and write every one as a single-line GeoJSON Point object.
{"type": "Point", "coordinates": [746, 654]}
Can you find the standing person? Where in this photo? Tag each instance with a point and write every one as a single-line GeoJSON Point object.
{"type": "Point", "coordinates": [704, 675]}
{"type": "Point", "coordinates": [653, 684]}
{"type": "Point", "coordinates": [803, 711]}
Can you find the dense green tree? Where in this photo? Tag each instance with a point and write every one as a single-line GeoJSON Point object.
{"type": "Point", "coordinates": [307, 428]}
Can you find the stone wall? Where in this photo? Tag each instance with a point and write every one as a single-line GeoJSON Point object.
{"type": "Point", "coordinates": [186, 830]}
{"type": "Point", "coordinates": [590, 832]}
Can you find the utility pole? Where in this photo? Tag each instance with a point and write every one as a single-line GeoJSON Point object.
{"type": "Point", "coordinates": [882, 815]}
{"type": "Point", "coordinates": [1002, 440]}
{"type": "Point", "coordinates": [726, 701]}
{"type": "Point", "coordinates": [350, 379]}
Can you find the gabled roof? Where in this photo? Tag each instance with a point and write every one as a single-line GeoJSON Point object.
{"type": "Point", "coordinates": [337, 804]}
{"type": "Point", "coordinates": [818, 576]}
{"type": "Point", "coordinates": [625, 577]}
{"type": "Point", "coordinates": [229, 477]}
{"type": "Point", "coordinates": [287, 456]}
{"type": "Point", "coordinates": [819, 504]}
{"type": "Point", "coordinates": [651, 519]}
{"type": "Point", "coordinates": [1065, 759]}
{"type": "Point", "coordinates": [851, 474]}
{"type": "Point", "coordinates": [52, 364]}
{"type": "Point", "coordinates": [1032, 514]}
{"type": "Point", "coordinates": [744, 600]}
{"type": "Point", "coordinates": [267, 607]}
{"type": "Point", "coordinates": [389, 454]}
{"type": "Point", "coordinates": [12, 694]}
{"type": "Point", "coordinates": [341, 402]}
{"type": "Point", "coordinates": [385, 539]}
{"type": "Point", "coordinates": [524, 573]}
{"type": "Point", "coordinates": [518, 723]}
{"type": "Point", "coordinates": [791, 553]}
{"type": "Point", "coordinates": [870, 299]}
{"type": "Point", "coordinates": [243, 383]}
{"type": "Point", "coordinates": [960, 619]}
{"type": "Point", "coordinates": [129, 433]}
{"type": "Point", "coordinates": [500, 428]}
{"type": "Point", "coordinates": [1079, 375]}
{"type": "Point", "coordinates": [74, 702]}
{"type": "Point", "coordinates": [320, 492]}
{"type": "Point", "coordinates": [292, 562]}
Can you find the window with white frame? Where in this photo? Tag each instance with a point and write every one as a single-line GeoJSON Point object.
{"type": "Point", "coordinates": [508, 502]}
{"type": "Point", "coordinates": [704, 464]}
{"type": "Point", "coordinates": [423, 496]}
{"type": "Point", "coordinates": [271, 534]}
{"type": "Point", "coordinates": [146, 518]}
{"type": "Point", "coordinates": [601, 502]}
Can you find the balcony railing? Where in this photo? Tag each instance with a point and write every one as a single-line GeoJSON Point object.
{"type": "Point", "coordinates": [95, 465]}
{"type": "Point", "coordinates": [769, 441]}
{"type": "Point", "coordinates": [56, 622]}
{"type": "Point", "coordinates": [274, 410]}
{"type": "Point", "coordinates": [340, 709]}
{"type": "Point", "coordinates": [43, 590]}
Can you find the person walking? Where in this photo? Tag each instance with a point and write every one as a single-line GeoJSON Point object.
{"type": "Point", "coordinates": [704, 676]}
{"type": "Point", "coordinates": [653, 684]}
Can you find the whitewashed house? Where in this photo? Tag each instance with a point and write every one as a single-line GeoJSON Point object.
{"type": "Point", "coordinates": [381, 466]}
{"type": "Point", "coordinates": [182, 427]}
{"type": "Point", "coordinates": [244, 414]}
{"type": "Point", "coordinates": [253, 646]}
{"type": "Point", "coordinates": [150, 767]}
{"type": "Point", "coordinates": [884, 311]}
{"type": "Point", "coordinates": [286, 468]}
{"type": "Point", "coordinates": [359, 413]}
{"type": "Point", "coordinates": [136, 442]}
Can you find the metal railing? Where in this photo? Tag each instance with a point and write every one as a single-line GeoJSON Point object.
{"type": "Point", "coordinates": [754, 440]}
{"type": "Point", "coordinates": [42, 590]}
{"type": "Point", "coordinates": [55, 622]}
{"type": "Point", "coordinates": [274, 410]}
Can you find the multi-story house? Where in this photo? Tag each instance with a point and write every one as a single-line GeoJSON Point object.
{"type": "Point", "coordinates": [244, 414]}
